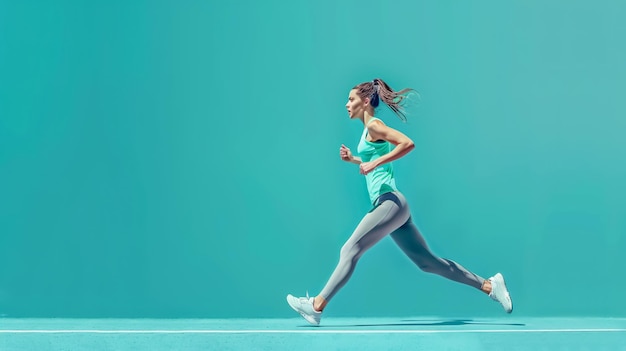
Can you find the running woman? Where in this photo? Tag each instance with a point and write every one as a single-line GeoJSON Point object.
{"type": "Point", "coordinates": [390, 213]}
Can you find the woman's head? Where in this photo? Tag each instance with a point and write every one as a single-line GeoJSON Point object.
{"type": "Point", "coordinates": [368, 95]}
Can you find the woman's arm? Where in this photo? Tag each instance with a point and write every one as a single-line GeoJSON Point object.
{"type": "Point", "coordinates": [403, 145]}
{"type": "Point", "coordinates": [356, 160]}
{"type": "Point", "coordinates": [346, 155]}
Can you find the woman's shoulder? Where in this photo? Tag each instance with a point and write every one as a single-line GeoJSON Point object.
{"type": "Point", "coordinates": [375, 124]}
{"type": "Point", "coordinates": [375, 121]}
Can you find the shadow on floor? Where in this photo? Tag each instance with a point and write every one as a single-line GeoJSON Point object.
{"type": "Point", "coordinates": [414, 322]}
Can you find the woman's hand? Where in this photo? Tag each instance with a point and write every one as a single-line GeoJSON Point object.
{"type": "Point", "coordinates": [366, 167]}
{"type": "Point", "coordinates": [345, 153]}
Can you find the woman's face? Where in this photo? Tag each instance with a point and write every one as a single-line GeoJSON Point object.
{"type": "Point", "coordinates": [356, 106]}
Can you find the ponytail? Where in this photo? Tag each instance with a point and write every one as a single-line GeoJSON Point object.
{"type": "Point", "coordinates": [378, 90]}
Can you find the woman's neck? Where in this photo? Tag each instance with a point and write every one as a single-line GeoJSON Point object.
{"type": "Point", "coordinates": [367, 117]}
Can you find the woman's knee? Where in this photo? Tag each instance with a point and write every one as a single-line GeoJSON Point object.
{"type": "Point", "coordinates": [425, 266]}
{"type": "Point", "coordinates": [431, 266]}
{"type": "Point", "coordinates": [349, 252]}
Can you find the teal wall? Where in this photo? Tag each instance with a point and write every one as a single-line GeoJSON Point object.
{"type": "Point", "coordinates": [180, 159]}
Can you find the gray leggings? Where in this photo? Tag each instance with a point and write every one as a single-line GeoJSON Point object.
{"type": "Point", "coordinates": [391, 215]}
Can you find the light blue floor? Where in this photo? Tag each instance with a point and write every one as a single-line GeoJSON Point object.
{"type": "Point", "coordinates": [419, 333]}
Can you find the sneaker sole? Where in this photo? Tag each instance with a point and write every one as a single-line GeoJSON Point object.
{"type": "Point", "coordinates": [500, 280]}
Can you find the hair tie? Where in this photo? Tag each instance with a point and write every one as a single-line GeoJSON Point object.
{"type": "Point", "coordinates": [375, 98]}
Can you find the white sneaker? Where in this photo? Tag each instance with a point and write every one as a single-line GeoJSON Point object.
{"type": "Point", "coordinates": [304, 306]}
{"type": "Point", "coordinates": [500, 293]}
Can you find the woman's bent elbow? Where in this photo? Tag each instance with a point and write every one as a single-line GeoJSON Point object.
{"type": "Point", "coordinates": [410, 145]}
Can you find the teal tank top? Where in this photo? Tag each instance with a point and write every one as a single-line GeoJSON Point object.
{"type": "Point", "coordinates": [380, 180]}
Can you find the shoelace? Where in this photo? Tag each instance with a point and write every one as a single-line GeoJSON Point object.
{"type": "Point", "coordinates": [305, 299]}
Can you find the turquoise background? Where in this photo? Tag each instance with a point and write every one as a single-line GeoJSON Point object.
{"type": "Point", "coordinates": [180, 159]}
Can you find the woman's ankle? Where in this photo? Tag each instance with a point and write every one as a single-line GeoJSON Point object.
{"type": "Point", "coordinates": [319, 303]}
{"type": "Point", "coordinates": [486, 287]}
